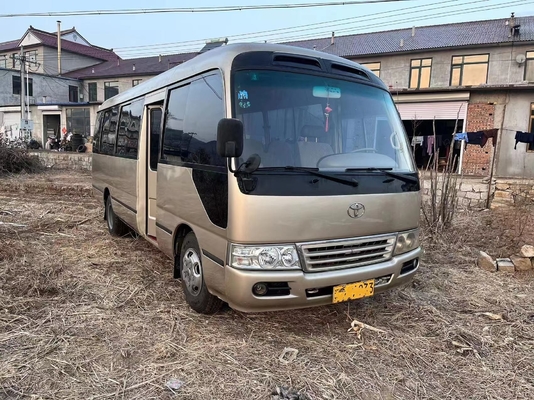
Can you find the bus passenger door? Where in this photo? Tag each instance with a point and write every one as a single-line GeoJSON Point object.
{"type": "Point", "coordinates": [154, 130]}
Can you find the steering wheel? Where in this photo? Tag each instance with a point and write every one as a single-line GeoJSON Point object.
{"type": "Point", "coordinates": [364, 149]}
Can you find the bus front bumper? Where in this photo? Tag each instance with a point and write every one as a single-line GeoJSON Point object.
{"type": "Point", "coordinates": [298, 289]}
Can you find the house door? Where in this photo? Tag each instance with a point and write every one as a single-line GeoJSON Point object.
{"type": "Point", "coordinates": [154, 133]}
{"type": "Point", "coordinates": [51, 124]}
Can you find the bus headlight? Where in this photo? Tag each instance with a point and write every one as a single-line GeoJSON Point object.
{"type": "Point", "coordinates": [407, 241]}
{"type": "Point", "coordinates": [264, 257]}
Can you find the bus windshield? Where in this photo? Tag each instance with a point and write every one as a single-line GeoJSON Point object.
{"type": "Point", "coordinates": [299, 120]}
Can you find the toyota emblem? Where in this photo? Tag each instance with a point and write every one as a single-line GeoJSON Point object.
{"type": "Point", "coordinates": [356, 210]}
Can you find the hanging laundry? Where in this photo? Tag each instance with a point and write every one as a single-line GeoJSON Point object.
{"type": "Point", "coordinates": [461, 136]}
{"type": "Point", "coordinates": [475, 137]}
{"type": "Point", "coordinates": [417, 140]}
{"type": "Point", "coordinates": [489, 133]}
{"type": "Point", "coordinates": [523, 137]}
{"type": "Point", "coordinates": [430, 145]}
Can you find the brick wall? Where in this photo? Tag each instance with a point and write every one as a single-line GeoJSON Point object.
{"type": "Point", "coordinates": [477, 160]}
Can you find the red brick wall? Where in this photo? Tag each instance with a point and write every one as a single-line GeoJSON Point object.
{"type": "Point", "coordinates": [477, 160]}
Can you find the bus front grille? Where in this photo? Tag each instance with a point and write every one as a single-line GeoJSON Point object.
{"type": "Point", "coordinates": [346, 253]}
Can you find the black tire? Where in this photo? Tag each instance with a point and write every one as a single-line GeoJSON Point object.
{"type": "Point", "coordinates": [196, 293]}
{"type": "Point", "coordinates": [115, 226]}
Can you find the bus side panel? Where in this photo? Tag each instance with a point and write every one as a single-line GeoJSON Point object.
{"type": "Point", "coordinates": [119, 176]}
{"type": "Point", "coordinates": [179, 203]}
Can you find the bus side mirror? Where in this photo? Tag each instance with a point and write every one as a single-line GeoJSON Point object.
{"type": "Point", "coordinates": [230, 138]}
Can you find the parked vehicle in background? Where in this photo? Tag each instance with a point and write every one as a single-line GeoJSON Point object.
{"type": "Point", "coordinates": [274, 177]}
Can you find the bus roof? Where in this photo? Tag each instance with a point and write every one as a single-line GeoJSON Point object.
{"type": "Point", "coordinates": [221, 57]}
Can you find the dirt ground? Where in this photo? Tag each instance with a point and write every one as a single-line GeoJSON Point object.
{"type": "Point", "coordinates": [87, 316]}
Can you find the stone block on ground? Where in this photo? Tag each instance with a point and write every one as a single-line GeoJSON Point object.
{"type": "Point", "coordinates": [527, 251]}
{"type": "Point", "coordinates": [502, 186]}
{"type": "Point", "coordinates": [521, 263]}
{"type": "Point", "coordinates": [486, 263]}
{"type": "Point", "coordinates": [505, 265]}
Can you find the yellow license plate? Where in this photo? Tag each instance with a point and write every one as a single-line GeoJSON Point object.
{"type": "Point", "coordinates": [353, 291]}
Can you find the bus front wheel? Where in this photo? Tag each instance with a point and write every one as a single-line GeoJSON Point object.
{"type": "Point", "coordinates": [196, 293]}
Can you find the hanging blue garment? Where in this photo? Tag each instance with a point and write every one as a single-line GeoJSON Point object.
{"type": "Point", "coordinates": [461, 136]}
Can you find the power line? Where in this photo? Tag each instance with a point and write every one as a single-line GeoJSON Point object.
{"type": "Point", "coordinates": [317, 35]}
{"type": "Point", "coordinates": [404, 20]}
{"type": "Point", "coordinates": [298, 28]}
{"type": "Point", "coordinates": [194, 10]}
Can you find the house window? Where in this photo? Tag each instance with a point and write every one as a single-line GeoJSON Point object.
{"type": "Point", "coordinates": [73, 94]}
{"type": "Point", "coordinates": [17, 89]}
{"type": "Point", "coordinates": [529, 67]}
{"type": "Point", "coordinates": [16, 61]}
{"type": "Point", "coordinates": [111, 89]}
{"type": "Point", "coordinates": [136, 82]}
{"type": "Point", "coordinates": [374, 67]}
{"type": "Point", "coordinates": [420, 70]}
{"type": "Point", "coordinates": [79, 121]}
{"type": "Point", "coordinates": [31, 55]}
{"type": "Point", "coordinates": [93, 94]}
{"type": "Point", "coordinates": [3, 61]}
{"type": "Point", "coordinates": [469, 70]}
{"type": "Point", "coordinates": [530, 146]}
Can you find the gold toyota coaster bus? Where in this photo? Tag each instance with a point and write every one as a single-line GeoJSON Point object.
{"type": "Point", "coordinates": [274, 177]}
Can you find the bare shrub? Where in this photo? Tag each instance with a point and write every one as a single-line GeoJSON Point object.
{"type": "Point", "coordinates": [440, 206]}
{"type": "Point", "coordinates": [15, 158]}
{"type": "Point", "coordinates": [521, 210]}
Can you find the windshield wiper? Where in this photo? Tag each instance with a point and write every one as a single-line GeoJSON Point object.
{"type": "Point", "coordinates": [386, 171]}
{"type": "Point", "coordinates": [312, 171]}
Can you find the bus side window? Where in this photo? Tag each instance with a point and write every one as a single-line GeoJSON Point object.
{"type": "Point", "coordinates": [97, 133]}
{"type": "Point", "coordinates": [106, 146]}
{"type": "Point", "coordinates": [155, 128]}
{"type": "Point", "coordinates": [205, 109]}
{"type": "Point", "coordinates": [173, 132]}
{"type": "Point", "coordinates": [129, 126]}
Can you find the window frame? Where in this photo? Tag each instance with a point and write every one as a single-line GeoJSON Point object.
{"type": "Point", "coordinates": [86, 118]}
{"type": "Point", "coordinates": [134, 84]}
{"type": "Point", "coordinates": [74, 89]}
{"type": "Point", "coordinates": [22, 82]}
{"type": "Point", "coordinates": [95, 85]}
{"type": "Point", "coordinates": [461, 68]}
{"type": "Point", "coordinates": [365, 64]}
{"type": "Point", "coordinates": [420, 69]}
{"type": "Point", "coordinates": [108, 85]}
{"type": "Point", "coordinates": [3, 60]}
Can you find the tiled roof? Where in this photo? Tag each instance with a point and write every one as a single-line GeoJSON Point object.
{"type": "Point", "coordinates": [11, 45]}
{"type": "Point", "coordinates": [474, 33]}
{"type": "Point", "coordinates": [50, 40]}
{"type": "Point", "coordinates": [143, 66]}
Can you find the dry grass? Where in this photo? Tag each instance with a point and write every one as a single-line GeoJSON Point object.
{"type": "Point", "coordinates": [87, 316]}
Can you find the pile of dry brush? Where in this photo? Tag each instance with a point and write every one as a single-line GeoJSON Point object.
{"type": "Point", "coordinates": [15, 159]}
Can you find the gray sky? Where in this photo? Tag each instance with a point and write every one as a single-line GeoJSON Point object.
{"type": "Point", "coordinates": [127, 31]}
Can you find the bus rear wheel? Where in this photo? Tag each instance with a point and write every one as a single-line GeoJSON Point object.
{"type": "Point", "coordinates": [196, 293]}
{"type": "Point", "coordinates": [115, 226]}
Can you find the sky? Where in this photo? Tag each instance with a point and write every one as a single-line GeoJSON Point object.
{"type": "Point", "coordinates": [151, 34]}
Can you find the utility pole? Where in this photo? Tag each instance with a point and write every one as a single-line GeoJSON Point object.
{"type": "Point", "coordinates": [25, 90]}
{"type": "Point", "coordinates": [22, 86]}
